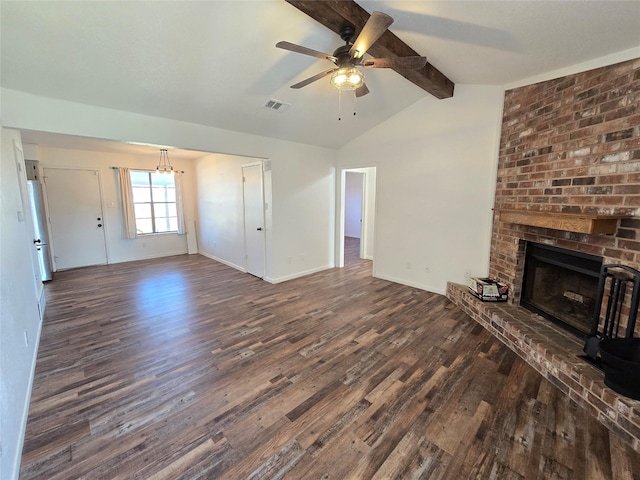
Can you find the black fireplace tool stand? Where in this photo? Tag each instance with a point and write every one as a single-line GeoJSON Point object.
{"type": "Point", "coordinates": [610, 347]}
{"type": "Point", "coordinates": [619, 279]}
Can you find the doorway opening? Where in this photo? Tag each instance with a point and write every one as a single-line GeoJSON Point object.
{"type": "Point", "coordinates": [357, 213]}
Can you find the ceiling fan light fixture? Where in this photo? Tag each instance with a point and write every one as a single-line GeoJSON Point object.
{"type": "Point", "coordinates": [347, 78]}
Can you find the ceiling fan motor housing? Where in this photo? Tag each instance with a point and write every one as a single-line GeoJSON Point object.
{"type": "Point", "coordinates": [347, 32]}
{"type": "Point", "coordinates": [342, 54]}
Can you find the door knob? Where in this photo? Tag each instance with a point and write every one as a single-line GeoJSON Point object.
{"type": "Point", "coordinates": [259, 229]}
{"type": "Point", "coordinates": [98, 219]}
{"type": "Point", "coordinates": [99, 225]}
{"type": "Point", "coordinates": [37, 241]}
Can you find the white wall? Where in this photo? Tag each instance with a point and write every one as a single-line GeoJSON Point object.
{"type": "Point", "coordinates": [19, 317]}
{"type": "Point", "coordinates": [119, 250]}
{"type": "Point", "coordinates": [353, 193]}
{"type": "Point", "coordinates": [302, 178]}
{"type": "Point", "coordinates": [303, 193]}
{"type": "Point", "coordinates": [436, 164]}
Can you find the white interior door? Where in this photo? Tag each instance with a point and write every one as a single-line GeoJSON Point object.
{"type": "Point", "coordinates": [254, 233]}
{"type": "Point", "coordinates": [75, 217]}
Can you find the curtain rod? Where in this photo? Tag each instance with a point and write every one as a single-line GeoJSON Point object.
{"type": "Point", "coordinates": [142, 169]}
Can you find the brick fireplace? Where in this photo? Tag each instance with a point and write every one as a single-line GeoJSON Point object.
{"type": "Point", "coordinates": [570, 146]}
{"type": "Point", "coordinates": [568, 169]}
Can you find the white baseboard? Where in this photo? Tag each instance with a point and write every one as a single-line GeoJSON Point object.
{"type": "Point", "coordinates": [225, 262]}
{"type": "Point", "coordinates": [42, 304]}
{"type": "Point", "coordinates": [297, 275]}
{"type": "Point", "coordinates": [440, 291]}
{"type": "Point", "coordinates": [159, 255]}
{"type": "Point", "coordinates": [25, 410]}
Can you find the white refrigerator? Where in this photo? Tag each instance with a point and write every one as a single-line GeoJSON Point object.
{"type": "Point", "coordinates": [41, 236]}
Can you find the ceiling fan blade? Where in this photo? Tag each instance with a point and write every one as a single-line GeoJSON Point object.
{"type": "Point", "coordinates": [362, 91]}
{"type": "Point", "coordinates": [376, 25]}
{"type": "Point", "coordinates": [309, 80]}
{"type": "Point", "coordinates": [305, 51]}
{"type": "Point", "coordinates": [413, 63]}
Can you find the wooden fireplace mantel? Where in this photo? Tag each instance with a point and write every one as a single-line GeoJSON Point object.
{"type": "Point", "coordinates": [568, 222]}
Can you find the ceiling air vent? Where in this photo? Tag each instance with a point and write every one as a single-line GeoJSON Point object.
{"type": "Point", "coordinates": [276, 105]}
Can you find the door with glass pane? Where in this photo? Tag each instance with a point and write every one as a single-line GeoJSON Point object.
{"type": "Point", "coordinates": [154, 200]}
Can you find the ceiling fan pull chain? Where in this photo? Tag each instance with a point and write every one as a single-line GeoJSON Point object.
{"type": "Point", "coordinates": [355, 97]}
{"type": "Point", "coordinates": [339, 105]}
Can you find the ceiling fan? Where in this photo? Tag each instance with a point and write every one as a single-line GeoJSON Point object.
{"type": "Point", "coordinates": [347, 58]}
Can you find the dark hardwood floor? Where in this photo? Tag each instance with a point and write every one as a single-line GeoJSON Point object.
{"type": "Point", "coordinates": [183, 368]}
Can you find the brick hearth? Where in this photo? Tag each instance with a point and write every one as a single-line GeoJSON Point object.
{"type": "Point", "coordinates": [555, 354]}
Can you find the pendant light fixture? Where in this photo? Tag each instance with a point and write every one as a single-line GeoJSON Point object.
{"type": "Point", "coordinates": [164, 166]}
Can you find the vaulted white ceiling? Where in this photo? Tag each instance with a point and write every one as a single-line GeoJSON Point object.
{"type": "Point", "coordinates": [215, 63]}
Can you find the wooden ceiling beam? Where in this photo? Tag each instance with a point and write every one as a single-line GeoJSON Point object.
{"type": "Point", "coordinates": [335, 14]}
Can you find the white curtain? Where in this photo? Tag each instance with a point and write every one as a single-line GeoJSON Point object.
{"type": "Point", "coordinates": [128, 212]}
{"type": "Point", "coordinates": [179, 202]}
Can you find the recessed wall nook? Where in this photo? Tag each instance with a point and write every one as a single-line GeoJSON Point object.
{"type": "Point", "coordinates": [568, 178]}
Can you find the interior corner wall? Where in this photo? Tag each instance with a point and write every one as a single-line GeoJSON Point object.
{"type": "Point", "coordinates": [220, 208]}
{"type": "Point", "coordinates": [436, 163]}
{"type": "Point", "coordinates": [298, 218]}
{"type": "Point", "coordinates": [119, 250]}
{"type": "Point", "coordinates": [19, 318]}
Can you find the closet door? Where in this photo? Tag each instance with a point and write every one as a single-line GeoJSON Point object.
{"type": "Point", "coordinates": [254, 219]}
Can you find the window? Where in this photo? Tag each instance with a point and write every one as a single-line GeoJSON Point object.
{"type": "Point", "coordinates": [154, 201]}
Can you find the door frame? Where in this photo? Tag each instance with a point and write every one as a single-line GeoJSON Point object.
{"type": "Point", "coordinates": [260, 164]}
{"type": "Point", "coordinates": [364, 236]}
{"type": "Point", "coordinates": [47, 212]}
{"type": "Point", "coordinates": [363, 208]}
{"type": "Point", "coordinates": [18, 153]}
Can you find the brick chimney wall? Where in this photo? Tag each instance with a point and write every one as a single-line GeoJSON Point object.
{"type": "Point", "coordinates": [570, 145]}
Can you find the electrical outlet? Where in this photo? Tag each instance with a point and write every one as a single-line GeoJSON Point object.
{"type": "Point", "coordinates": [467, 275]}
{"type": "Point", "coordinates": [408, 265]}
{"type": "Point", "coordinates": [427, 269]}
{"type": "Point", "coordinates": [289, 260]}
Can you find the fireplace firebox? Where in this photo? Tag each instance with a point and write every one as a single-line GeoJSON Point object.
{"type": "Point", "coordinates": [561, 285]}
